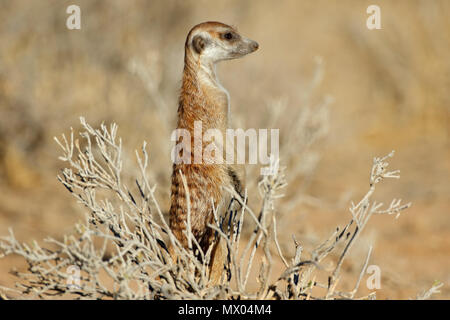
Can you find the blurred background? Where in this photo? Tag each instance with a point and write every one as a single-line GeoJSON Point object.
{"type": "Point", "coordinates": [341, 94]}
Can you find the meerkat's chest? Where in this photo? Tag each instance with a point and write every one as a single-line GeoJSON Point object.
{"type": "Point", "coordinates": [225, 102]}
{"type": "Point", "coordinates": [220, 99]}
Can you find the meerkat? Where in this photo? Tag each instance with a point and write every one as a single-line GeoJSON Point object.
{"type": "Point", "coordinates": [204, 99]}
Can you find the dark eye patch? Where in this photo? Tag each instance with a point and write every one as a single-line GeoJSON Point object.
{"type": "Point", "coordinates": [229, 35]}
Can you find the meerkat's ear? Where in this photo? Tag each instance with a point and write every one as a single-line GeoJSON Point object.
{"type": "Point", "coordinates": [199, 43]}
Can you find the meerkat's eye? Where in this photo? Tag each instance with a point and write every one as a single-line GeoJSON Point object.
{"type": "Point", "coordinates": [228, 36]}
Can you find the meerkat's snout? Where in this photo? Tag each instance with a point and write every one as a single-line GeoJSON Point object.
{"type": "Point", "coordinates": [249, 46]}
{"type": "Point", "coordinates": [254, 45]}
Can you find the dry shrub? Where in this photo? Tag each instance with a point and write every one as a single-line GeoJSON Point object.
{"type": "Point", "coordinates": [120, 251]}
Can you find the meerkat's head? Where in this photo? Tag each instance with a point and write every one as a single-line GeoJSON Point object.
{"type": "Point", "coordinates": [212, 42]}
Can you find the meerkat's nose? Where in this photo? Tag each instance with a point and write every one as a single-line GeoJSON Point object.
{"type": "Point", "coordinates": [255, 45]}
